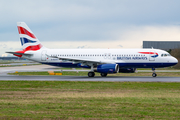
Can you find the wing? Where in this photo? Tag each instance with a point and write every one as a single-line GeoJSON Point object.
{"type": "Point", "coordinates": [83, 61]}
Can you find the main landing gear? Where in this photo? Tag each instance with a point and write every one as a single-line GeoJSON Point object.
{"type": "Point", "coordinates": [91, 74]}
{"type": "Point", "coordinates": [103, 74]}
{"type": "Point", "coordinates": [154, 73]}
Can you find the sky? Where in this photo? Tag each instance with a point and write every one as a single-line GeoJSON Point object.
{"type": "Point", "coordinates": [88, 24]}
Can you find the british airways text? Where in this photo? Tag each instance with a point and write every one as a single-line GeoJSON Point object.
{"type": "Point", "coordinates": [131, 58]}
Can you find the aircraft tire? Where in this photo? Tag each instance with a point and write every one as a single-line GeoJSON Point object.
{"type": "Point", "coordinates": [103, 74]}
{"type": "Point", "coordinates": [91, 74]}
{"type": "Point", "coordinates": [154, 74]}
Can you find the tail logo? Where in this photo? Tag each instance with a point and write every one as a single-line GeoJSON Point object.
{"type": "Point", "coordinates": [27, 38]}
{"type": "Point", "coordinates": [25, 32]}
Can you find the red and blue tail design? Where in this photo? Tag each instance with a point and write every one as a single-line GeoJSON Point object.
{"type": "Point", "coordinates": [28, 39]}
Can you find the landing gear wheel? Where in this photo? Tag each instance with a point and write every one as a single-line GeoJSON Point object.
{"type": "Point", "coordinates": [91, 74]}
{"type": "Point", "coordinates": [154, 74]}
{"type": "Point", "coordinates": [103, 74]}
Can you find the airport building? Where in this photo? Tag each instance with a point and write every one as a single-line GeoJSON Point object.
{"type": "Point", "coordinates": [164, 45]}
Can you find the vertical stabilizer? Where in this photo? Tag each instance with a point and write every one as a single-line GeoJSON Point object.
{"type": "Point", "coordinates": [28, 40]}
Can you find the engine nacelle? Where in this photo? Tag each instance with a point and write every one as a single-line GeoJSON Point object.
{"type": "Point", "coordinates": [127, 70]}
{"type": "Point", "coordinates": [107, 68]}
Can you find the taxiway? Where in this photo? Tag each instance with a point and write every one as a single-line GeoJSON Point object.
{"type": "Point", "coordinates": [33, 68]}
{"type": "Point", "coordinates": [97, 78]}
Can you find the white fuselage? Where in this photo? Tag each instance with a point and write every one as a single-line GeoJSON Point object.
{"type": "Point", "coordinates": [138, 58]}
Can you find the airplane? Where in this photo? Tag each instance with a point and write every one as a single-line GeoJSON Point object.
{"type": "Point", "coordinates": [103, 61]}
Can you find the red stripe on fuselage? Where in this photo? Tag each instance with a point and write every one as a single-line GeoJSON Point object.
{"type": "Point", "coordinates": [147, 52]}
{"type": "Point", "coordinates": [25, 32]}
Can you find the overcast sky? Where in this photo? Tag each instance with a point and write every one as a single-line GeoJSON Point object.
{"type": "Point", "coordinates": [90, 23]}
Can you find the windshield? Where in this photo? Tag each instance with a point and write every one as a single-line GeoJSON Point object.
{"type": "Point", "coordinates": [165, 55]}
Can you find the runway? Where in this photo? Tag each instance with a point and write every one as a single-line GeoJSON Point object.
{"type": "Point", "coordinates": [33, 68]}
{"type": "Point", "coordinates": [97, 78]}
{"type": "Point", "coordinates": [5, 76]}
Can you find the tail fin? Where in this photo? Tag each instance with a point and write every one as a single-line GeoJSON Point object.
{"type": "Point", "coordinates": [28, 40]}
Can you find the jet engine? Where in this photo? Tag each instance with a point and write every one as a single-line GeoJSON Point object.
{"type": "Point", "coordinates": [107, 68]}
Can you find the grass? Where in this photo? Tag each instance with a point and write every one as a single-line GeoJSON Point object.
{"type": "Point", "coordinates": [89, 100]}
{"type": "Point", "coordinates": [82, 73]}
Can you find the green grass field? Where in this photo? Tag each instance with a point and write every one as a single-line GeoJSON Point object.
{"type": "Point", "coordinates": [81, 73]}
{"type": "Point", "coordinates": [89, 100]}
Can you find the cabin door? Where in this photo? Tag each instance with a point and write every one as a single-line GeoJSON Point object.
{"type": "Point", "coordinates": [151, 55]}
{"type": "Point", "coordinates": [43, 55]}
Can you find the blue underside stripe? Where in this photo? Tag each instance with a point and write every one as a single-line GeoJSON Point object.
{"type": "Point", "coordinates": [132, 65]}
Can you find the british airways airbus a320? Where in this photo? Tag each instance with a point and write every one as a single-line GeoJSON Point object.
{"type": "Point", "coordinates": [103, 61]}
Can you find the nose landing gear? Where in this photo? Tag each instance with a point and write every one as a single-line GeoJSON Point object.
{"type": "Point", "coordinates": [154, 73]}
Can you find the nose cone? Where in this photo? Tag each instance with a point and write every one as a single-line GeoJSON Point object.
{"type": "Point", "coordinates": [174, 60]}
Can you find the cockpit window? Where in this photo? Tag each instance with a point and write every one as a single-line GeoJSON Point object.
{"type": "Point", "coordinates": [165, 55]}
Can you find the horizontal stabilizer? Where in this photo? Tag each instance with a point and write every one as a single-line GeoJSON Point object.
{"type": "Point", "coordinates": [16, 53]}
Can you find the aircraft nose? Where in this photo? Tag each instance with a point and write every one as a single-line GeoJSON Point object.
{"type": "Point", "coordinates": [174, 60]}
